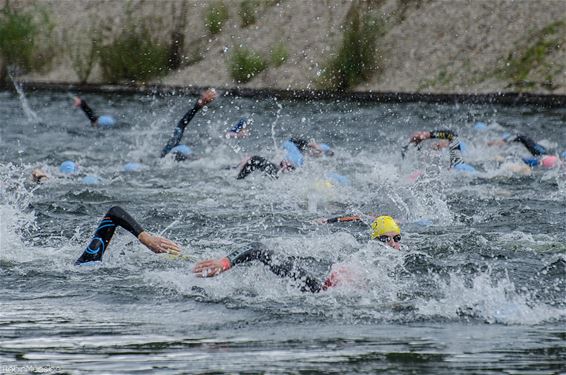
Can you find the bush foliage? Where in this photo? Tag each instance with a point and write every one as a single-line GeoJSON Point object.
{"type": "Point", "coordinates": [216, 16]}
{"type": "Point", "coordinates": [245, 64]}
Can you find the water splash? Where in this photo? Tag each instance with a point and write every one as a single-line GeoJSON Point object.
{"type": "Point", "coordinates": [30, 114]}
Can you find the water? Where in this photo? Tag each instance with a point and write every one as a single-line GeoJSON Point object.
{"type": "Point", "coordinates": [479, 286]}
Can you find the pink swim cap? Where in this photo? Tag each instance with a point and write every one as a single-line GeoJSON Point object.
{"type": "Point", "coordinates": [549, 161]}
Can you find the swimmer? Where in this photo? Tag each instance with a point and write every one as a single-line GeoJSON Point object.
{"type": "Point", "coordinates": [540, 155]}
{"type": "Point", "coordinates": [384, 229]}
{"type": "Point", "coordinates": [455, 150]}
{"type": "Point", "coordinates": [68, 168]}
{"type": "Point", "coordinates": [241, 129]}
{"type": "Point", "coordinates": [104, 121]}
{"type": "Point", "coordinates": [182, 151]}
{"type": "Point", "coordinates": [294, 149]}
{"type": "Point", "coordinates": [115, 217]}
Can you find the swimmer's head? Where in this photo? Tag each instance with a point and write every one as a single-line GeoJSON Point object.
{"type": "Point", "coordinates": [132, 167]}
{"type": "Point", "coordinates": [106, 121]}
{"type": "Point", "coordinates": [293, 156]}
{"type": "Point", "coordinates": [181, 152]}
{"type": "Point", "coordinates": [68, 167]}
{"type": "Point", "coordinates": [563, 155]}
{"type": "Point", "coordinates": [386, 230]}
{"type": "Point", "coordinates": [326, 150]}
{"type": "Point", "coordinates": [480, 126]}
{"type": "Point", "coordinates": [549, 161]}
{"type": "Point", "coordinates": [90, 180]}
{"type": "Point", "coordinates": [531, 161]}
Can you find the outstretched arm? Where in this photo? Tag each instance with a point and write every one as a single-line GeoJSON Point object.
{"type": "Point", "coordinates": [116, 216]}
{"type": "Point", "coordinates": [205, 98]}
{"type": "Point", "coordinates": [339, 219]}
{"type": "Point", "coordinates": [86, 109]}
{"type": "Point", "coordinates": [285, 268]}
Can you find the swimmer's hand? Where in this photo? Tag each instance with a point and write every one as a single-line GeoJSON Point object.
{"type": "Point", "coordinates": [38, 175]}
{"type": "Point", "coordinates": [77, 101]}
{"type": "Point", "coordinates": [159, 244]}
{"type": "Point", "coordinates": [211, 267]}
{"type": "Point", "coordinates": [321, 220]}
{"type": "Point", "coordinates": [418, 137]}
{"type": "Point", "coordinates": [207, 97]}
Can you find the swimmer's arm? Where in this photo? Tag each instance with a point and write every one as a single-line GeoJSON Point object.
{"type": "Point", "coordinates": [86, 109]}
{"type": "Point", "coordinates": [155, 243]}
{"type": "Point", "coordinates": [214, 267]}
{"type": "Point", "coordinates": [339, 219]}
{"type": "Point", "coordinates": [159, 244]}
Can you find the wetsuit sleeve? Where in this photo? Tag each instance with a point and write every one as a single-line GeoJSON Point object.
{"type": "Point", "coordinates": [180, 129]}
{"type": "Point", "coordinates": [342, 219]}
{"type": "Point", "coordinates": [116, 216]}
{"type": "Point", "coordinates": [302, 144]}
{"type": "Point", "coordinates": [88, 111]}
{"type": "Point", "coordinates": [259, 163]}
{"type": "Point", "coordinates": [284, 267]}
{"type": "Point", "coordinates": [534, 148]}
{"type": "Point", "coordinates": [454, 149]}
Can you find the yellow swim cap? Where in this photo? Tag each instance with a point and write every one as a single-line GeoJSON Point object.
{"type": "Point", "coordinates": [382, 225]}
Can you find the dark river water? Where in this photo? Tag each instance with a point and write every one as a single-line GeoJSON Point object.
{"type": "Point", "coordinates": [479, 285]}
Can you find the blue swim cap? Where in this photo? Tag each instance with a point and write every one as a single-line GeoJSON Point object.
{"type": "Point", "coordinates": [338, 179]}
{"type": "Point", "coordinates": [132, 167]}
{"type": "Point", "coordinates": [563, 155]}
{"type": "Point", "coordinates": [106, 121]}
{"type": "Point", "coordinates": [294, 156]}
{"type": "Point", "coordinates": [464, 167]}
{"type": "Point", "coordinates": [531, 161]}
{"type": "Point", "coordinates": [463, 147]}
{"type": "Point", "coordinates": [68, 167]}
{"type": "Point", "coordinates": [506, 136]}
{"type": "Point", "coordinates": [325, 148]}
{"type": "Point", "coordinates": [182, 149]}
{"type": "Point", "coordinates": [241, 124]}
{"type": "Point", "coordinates": [480, 125]}
{"type": "Point", "coordinates": [90, 180]}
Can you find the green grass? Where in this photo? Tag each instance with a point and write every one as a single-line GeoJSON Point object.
{"type": "Point", "coordinates": [245, 64]}
{"type": "Point", "coordinates": [279, 54]}
{"type": "Point", "coordinates": [25, 39]}
{"type": "Point", "coordinates": [215, 17]}
{"type": "Point", "coordinates": [133, 56]}
{"type": "Point", "coordinates": [356, 60]}
{"type": "Point", "coordinates": [248, 12]}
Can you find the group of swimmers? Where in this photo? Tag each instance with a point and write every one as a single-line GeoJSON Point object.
{"type": "Point", "coordinates": [384, 228]}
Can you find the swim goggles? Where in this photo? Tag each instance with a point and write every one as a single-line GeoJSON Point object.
{"type": "Point", "coordinates": [385, 239]}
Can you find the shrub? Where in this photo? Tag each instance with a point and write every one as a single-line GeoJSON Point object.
{"type": "Point", "coordinates": [216, 15]}
{"type": "Point", "coordinates": [357, 58]}
{"type": "Point", "coordinates": [83, 52]}
{"type": "Point", "coordinates": [248, 10]}
{"type": "Point", "coordinates": [20, 44]}
{"type": "Point", "coordinates": [245, 64]}
{"type": "Point", "coordinates": [279, 54]}
{"type": "Point", "coordinates": [134, 56]}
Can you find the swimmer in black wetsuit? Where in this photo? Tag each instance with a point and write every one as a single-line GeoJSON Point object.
{"type": "Point", "coordinates": [104, 121]}
{"type": "Point", "coordinates": [115, 217]}
{"type": "Point", "coordinates": [295, 149]}
{"type": "Point", "coordinates": [540, 155]}
{"type": "Point", "coordinates": [205, 98]}
{"type": "Point", "coordinates": [454, 148]}
{"type": "Point", "coordinates": [384, 229]}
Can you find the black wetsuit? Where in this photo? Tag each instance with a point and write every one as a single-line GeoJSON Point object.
{"type": "Point", "coordinates": [179, 130]}
{"type": "Point", "coordinates": [88, 112]}
{"type": "Point", "coordinates": [302, 144]}
{"type": "Point", "coordinates": [258, 163]}
{"type": "Point", "coordinates": [282, 267]}
{"type": "Point", "coordinates": [534, 148]}
{"type": "Point", "coordinates": [116, 216]}
{"type": "Point", "coordinates": [454, 149]}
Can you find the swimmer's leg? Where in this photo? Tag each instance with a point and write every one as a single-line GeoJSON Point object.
{"type": "Point", "coordinates": [116, 216]}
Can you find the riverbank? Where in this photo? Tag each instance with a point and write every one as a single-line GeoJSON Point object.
{"type": "Point", "coordinates": [421, 46]}
{"type": "Point", "coordinates": [507, 98]}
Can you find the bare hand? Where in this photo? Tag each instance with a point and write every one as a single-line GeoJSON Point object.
{"type": "Point", "coordinates": [321, 220]}
{"type": "Point", "coordinates": [38, 175]}
{"type": "Point", "coordinates": [207, 97]}
{"type": "Point", "coordinates": [418, 137]}
{"type": "Point", "coordinates": [77, 101]}
{"type": "Point", "coordinates": [159, 244]}
{"type": "Point", "coordinates": [209, 268]}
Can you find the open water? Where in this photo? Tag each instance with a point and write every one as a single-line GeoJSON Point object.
{"type": "Point", "coordinates": [479, 286]}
